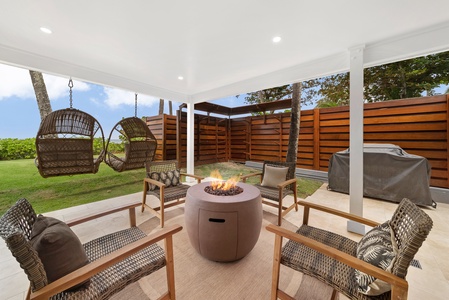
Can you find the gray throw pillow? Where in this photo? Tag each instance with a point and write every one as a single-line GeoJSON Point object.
{"type": "Point", "coordinates": [169, 178]}
{"type": "Point", "coordinates": [378, 248]}
{"type": "Point", "coordinates": [58, 247]}
{"type": "Point", "coordinates": [274, 176]}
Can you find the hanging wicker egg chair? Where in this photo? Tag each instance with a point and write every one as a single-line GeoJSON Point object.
{"type": "Point", "coordinates": [140, 145]}
{"type": "Point", "coordinates": [65, 143]}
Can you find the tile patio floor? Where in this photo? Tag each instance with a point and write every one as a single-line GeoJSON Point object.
{"type": "Point", "coordinates": [430, 282]}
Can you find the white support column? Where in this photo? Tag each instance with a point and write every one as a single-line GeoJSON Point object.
{"type": "Point", "coordinates": [356, 137]}
{"type": "Point", "coordinates": [190, 138]}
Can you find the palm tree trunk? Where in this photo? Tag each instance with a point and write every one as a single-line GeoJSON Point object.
{"type": "Point", "coordinates": [292, 150]}
{"type": "Point", "coordinates": [161, 106]}
{"type": "Point", "coordinates": [43, 102]}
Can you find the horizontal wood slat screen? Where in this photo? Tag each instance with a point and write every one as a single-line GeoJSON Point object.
{"type": "Point", "coordinates": [212, 139]}
{"type": "Point", "coordinates": [417, 125]}
{"type": "Point", "coordinates": [164, 129]}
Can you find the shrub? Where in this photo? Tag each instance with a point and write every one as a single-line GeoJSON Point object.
{"type": "Point", "coordinates": [17, 149]}
{"type": "Point", "coordinates": [11, 149]}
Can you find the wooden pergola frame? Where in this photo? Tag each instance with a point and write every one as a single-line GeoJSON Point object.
{"type": "Point", "coordinates": [240, 110]}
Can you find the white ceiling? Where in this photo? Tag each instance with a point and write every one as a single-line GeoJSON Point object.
{"type": "Point", "coordinates": [221, 48]}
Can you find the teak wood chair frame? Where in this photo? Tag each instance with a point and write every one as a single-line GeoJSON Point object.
{"type": "Point", "coordinates": [274, 196]}
{"type": "Point", "coordinates": [39, 288]}
{"type": "Point", "coordinates": [409, 223]}
{"type": "Point", "coordinates": [167, 196]}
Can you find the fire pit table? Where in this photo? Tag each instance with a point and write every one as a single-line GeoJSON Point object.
{"type": "Point", "coordinates": [223, 228]}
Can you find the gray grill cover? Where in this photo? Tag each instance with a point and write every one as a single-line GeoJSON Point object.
{"type": "Point", "coordinates": [389, 173]}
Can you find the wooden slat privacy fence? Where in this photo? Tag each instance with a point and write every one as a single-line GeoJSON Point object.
{"type": "Point", "coordinates": [417, 125]}
{"type": "Point", "coordinates": [212, 139]}
{"type": "Point", "coordinates": [164, 129]}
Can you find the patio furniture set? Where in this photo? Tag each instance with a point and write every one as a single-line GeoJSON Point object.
{"type": "Point", "coordinates": [220, 228]}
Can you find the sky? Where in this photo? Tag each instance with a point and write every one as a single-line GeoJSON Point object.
{"type": "Point", "coordinates": [20, 118]}
{"type": "Point", "coordinates": [19, 114]}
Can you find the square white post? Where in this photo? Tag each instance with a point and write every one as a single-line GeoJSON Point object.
{"type": "Point", "coordinates": [356, 137]}
{"type": "Point", "coordinates": [190, 138]}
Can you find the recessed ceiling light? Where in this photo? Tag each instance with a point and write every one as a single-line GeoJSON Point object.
{"type": "Point", "coordinates": [276, 39]}
{"type": "Point", "coordinates": [46, 30]}
{"type": "Point", "coordinates": [180, 78]}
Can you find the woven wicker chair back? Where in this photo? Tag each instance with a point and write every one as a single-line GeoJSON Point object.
{"type": "Point", "coordinates": [15, 229]}
{"type": "Point", "coordinates": [140, 145]}
{"type": "Point", "coordinates": [161, 166]}
{"type": "Point", "coordinates": [410, 225]}
{"type": "Point", "coordinates": [64, 143]}
{"type": "Point", "coordinates": [291, 173]}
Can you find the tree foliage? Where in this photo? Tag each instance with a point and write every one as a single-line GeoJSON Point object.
{"type": "Point", "coordinates": [399, 80]}
{"type": "Point", "coordinates": [281, 93]}
{"type": "Point", "coordinates": [404, 79]}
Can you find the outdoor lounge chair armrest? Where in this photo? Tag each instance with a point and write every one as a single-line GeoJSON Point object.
{"type": "Point", "coordinates": [161, 185]}
{"type": "Point", "coordinates": [308, 205]}
{"type": "Point", "coordinates": [398, 285]}
{"type": "Point", "coordinates": [245, 177]}
{"type": "Point", "coordinates": [198, 178]}
{"type": "Point", "coordinates": [285, 183]}
{"type": "Point", "coordinates": [103, 263]}
{"type": "Point", "coordinates": [130, 207]}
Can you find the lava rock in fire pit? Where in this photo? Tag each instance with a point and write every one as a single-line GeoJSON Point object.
{"type": "Point", "coordinates": [220, 192]}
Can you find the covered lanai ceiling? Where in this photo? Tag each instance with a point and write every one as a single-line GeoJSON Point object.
{"type": "Point", "coordinates": [220, 48]}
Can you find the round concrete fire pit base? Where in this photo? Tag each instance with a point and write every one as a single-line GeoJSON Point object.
{"type": "Point", "coordinates": [223, 228]}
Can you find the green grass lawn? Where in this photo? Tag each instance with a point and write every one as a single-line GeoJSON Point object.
{"type": "Point", "coordinates": [21, 179]}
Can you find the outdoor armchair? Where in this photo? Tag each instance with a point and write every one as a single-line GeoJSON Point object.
{"type": "Point", "coordinates": [164, 182]}
{"type": "Point", "coordinates": [350, 267]}
{"type": "Point", "coordinates": [277, 180]}
{"type": "Point", "coordinates": [114, 260]}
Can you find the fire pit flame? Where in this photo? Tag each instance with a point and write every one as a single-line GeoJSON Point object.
{"type": "Point", "coordinates": [220, 187]}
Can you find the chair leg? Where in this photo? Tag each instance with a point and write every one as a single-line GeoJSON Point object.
{"type": "Point", "coordinates": [280, 208]}
{"type": "Point", "coordinates": [170, 267]}
{"type": "Point", "coordinates": [144, 197]}
{"type": "Point", "coordinates": [280, 214]}
{"type": "Point", "coordinates": [295, 196]}
{"type": "Point", "coordinates": [162, 219]}
{"type": "Point", "coordinates": [276, 267]}
{"type": "Point", "coordinates": [161, 199]}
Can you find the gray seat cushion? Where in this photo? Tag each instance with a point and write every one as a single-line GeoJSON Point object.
{"type": "Point", "coordinates": [272, 193]}
{"type": "Point", "coordinates": [324, 268]}
{"type": "Point", "coordinates": [171, 193]}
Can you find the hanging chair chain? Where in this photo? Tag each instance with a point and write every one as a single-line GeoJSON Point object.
{"type": "Point", "coordinates": [70, 91]}
{"type": "Point", "coordinates": [135, 105]}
